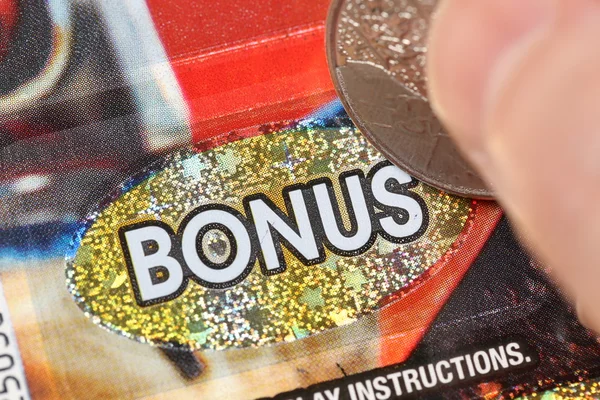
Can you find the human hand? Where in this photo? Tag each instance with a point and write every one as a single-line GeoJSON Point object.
{"type": "Point", "coordinates": [517, 84]}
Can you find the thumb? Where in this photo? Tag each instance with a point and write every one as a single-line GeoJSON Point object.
{"type": "Point", "coordinates": [517, 85]}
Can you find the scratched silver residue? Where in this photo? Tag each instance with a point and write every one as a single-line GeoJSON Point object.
{"type": "Point", "coordinates": [388, 34]}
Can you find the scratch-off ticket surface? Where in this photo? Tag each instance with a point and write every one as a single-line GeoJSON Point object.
{"type": "Point", "coordinates": [266, 239]}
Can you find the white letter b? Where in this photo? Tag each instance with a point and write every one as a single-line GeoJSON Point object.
{"type": "Point", "coordinates": [145, 265]}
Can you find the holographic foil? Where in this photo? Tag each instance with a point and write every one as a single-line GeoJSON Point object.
{"type": "Point", "coordinates": [583, 390]}
{"type": "Point", "coordinates": [299, 302]}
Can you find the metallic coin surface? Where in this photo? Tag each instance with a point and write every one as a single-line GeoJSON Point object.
{"type": "Point", "coordinates": [376, 52]}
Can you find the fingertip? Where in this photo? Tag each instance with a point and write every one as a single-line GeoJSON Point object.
{"type": "Point", "coordinates": [467, 39]}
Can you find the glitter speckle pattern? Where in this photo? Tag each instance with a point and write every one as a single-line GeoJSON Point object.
{"type": "Point", "coordinates": [584, 390]}
{"type": "Point", "coordinates": [260, 310]}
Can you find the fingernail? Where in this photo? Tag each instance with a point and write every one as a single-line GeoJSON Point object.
{"type": "Point", "coordinates": [468, 40]}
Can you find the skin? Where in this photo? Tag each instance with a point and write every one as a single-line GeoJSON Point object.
{"type": "Point", "coordinates": [516, 83]}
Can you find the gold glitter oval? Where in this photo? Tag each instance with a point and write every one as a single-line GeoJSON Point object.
{"type": "Point", "coordinates": [259, 310]}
